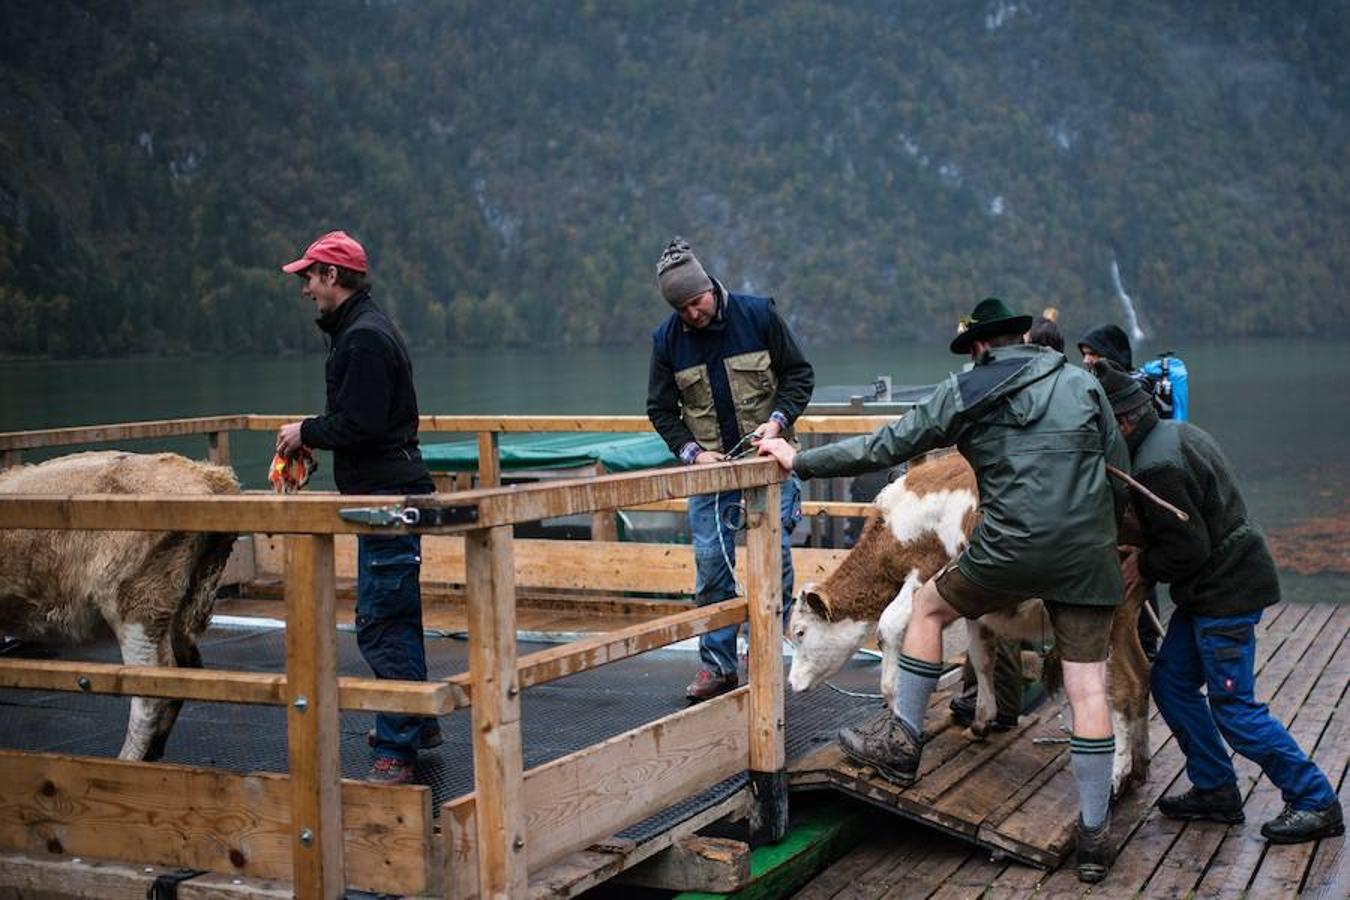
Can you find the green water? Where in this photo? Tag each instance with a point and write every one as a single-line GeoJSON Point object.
{"type": "Point", "coordinates": [1279, 407]}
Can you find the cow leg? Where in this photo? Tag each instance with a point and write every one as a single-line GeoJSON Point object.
{"type": "Point", "coordinates": [186, 656]}
{"type": "Point", "coordinates": [1138, 731]}
{"type": "Point", "coordinates": [139, 649]}
{"type": "Point", "coordinates": [891, 636]}
{"type": "Point", "coordinates": [981, 652]}
{"type": "Point", "coordinates": [1123, 758]}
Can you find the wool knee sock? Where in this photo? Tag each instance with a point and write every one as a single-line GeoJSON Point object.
{"type": "Point", "coordinates": [913, 689]}
{"type": "Point", "coordinates": [1092, 759]}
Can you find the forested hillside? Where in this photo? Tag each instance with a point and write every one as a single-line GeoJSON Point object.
{"type": "Point", "coordinates": [515, 168]}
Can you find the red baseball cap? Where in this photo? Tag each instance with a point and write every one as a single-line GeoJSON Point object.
{"type": "Point", "coordinates": [335, 248]}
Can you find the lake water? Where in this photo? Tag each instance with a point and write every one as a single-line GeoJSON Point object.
{"type": "Point", "coordinates": [1279, 407]}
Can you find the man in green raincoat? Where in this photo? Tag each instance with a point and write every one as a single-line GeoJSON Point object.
{"type": "Point", "coordinates": [1039, 435]}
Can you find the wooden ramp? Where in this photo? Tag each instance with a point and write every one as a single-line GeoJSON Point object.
{"type": "Point", "coordinates": [1006, 793]}
{"type": "Point", "coordinates": [1303, 665]}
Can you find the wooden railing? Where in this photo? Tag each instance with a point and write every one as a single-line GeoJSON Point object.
{"type": "Point", "coordinates": [311, 823]}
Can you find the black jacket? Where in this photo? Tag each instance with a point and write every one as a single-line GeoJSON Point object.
{"type": "Point", "coordinates": [370, 417]}
{"type": "Point", "coordinates": [1217, 562]}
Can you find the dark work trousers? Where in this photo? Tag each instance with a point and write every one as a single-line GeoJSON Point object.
{"type": "Point", "coordinates": [1218, 654]}
{"type": "Point", "coordinates": [389, 629]}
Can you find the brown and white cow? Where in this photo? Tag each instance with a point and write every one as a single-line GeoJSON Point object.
{"type": "Point", "coordinates": [153, 589]}
{"type": "Point", "coordinates": [922, 521]}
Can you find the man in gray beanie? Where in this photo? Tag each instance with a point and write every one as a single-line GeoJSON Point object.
{"type": "Point", "coordinates": [725, 371]}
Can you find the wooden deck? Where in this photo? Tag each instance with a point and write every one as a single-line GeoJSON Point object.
{"type": "Point", "coordinates": [1303, 665]}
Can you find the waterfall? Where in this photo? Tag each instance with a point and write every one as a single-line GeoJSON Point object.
{"type": "Point", "coordinates": [1131, 320]}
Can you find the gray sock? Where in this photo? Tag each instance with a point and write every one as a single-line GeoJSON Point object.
{"type": "Point", "coordinates": [1092, 759]}
{"type": "Point", "coordinates": [913, 689]}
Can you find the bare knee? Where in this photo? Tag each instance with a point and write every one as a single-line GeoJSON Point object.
{"type": "Point", "coordinates": [929, 605]}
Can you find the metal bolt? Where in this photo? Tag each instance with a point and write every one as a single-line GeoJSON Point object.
{"type": "Point", "coordinates": [306, 837]}
{"type": "Point", "coordinates": [518, 843]}
{"type": "Point", "coordinates": [84, 682]}
{"type": "Point", "coordinates": [512, 691]}
{"type": "Point", "coordinates": [301, 703]}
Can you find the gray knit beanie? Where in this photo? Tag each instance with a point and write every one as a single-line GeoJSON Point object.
{"type": "Point", "coordinates": [680, 274]}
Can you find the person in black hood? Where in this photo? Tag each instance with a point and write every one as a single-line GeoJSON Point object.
{"type": "Point", "coordinates": [370, 425]}
{"type": "Point", "coordinates": [1108, 342]}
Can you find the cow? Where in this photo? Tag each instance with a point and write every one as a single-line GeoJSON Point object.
{"type": "Point", "coordinates": [153, 589]}
{"type": "Point", "coordinates": [920, 523]}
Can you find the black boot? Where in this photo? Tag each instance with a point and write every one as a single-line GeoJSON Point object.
{"type": "Point", "coordinates": [1222, 804]}
{"type": "Point", "coordinates": [886, 745]}
{"type": "Point", "coordinates": [1095, 852]}
{"type": "Point", "coordinates": [1294, 826]}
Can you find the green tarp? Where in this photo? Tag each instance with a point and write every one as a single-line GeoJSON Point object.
{"type": "Point", "coordinates": [618, 452]}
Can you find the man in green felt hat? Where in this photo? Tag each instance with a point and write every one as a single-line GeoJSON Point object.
{"type": "Point", "coordinates": [1039, 434]}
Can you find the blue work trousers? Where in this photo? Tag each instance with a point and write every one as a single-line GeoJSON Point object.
{"type": "Point", "coordinates": [716, 581]}
{"type": "Point", "coordinates": [1218, 654]}
{"type": "Point", "coordinates": [389, 629]}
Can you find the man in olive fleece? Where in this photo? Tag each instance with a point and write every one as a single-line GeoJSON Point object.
{"type": "Point", "coordinates": [725, 371]}
{"type": "Point", "coordinates": [1038, 434]}
{"type": "Point", "coordinates": [1222, 577]}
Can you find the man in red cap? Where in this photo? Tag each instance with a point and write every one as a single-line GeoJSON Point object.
{"type": "Point", "coordinates": [370, 425]}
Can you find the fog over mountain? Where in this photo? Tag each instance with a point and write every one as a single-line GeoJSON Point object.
{"type": "Point", "coordinates": [514, 169]}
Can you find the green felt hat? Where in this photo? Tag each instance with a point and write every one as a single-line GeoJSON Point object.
{"type": "Point", "coordinates": [990, 318]}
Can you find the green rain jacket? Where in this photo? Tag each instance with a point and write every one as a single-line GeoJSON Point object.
{"type": "Point", "coordinates": [1038, 434]}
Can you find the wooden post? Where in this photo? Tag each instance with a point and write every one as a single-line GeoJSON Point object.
{"type": "Point", "coordinates": [10, 458]}
{"type": "Point", "coordinates": [497, 760]}
{"type": "Point", "coordinates": [444, 481]}
{"type": "Point", "coordinates": [604, 522]}
{"type": "Point", "coordinates": [218, 447]}
{"type": "Point", "coordinates": [312, 717]}
{"type": "Point", "coordinates": [764, 595]}
{"type": "Point", "coordinates": [489, 467]}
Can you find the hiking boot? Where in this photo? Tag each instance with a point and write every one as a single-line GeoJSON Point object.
{"type": "Point", "coordinates": [887, 745]}
{"type": "Point", "coordinates": [708, 684]}
{"type": "Point", "coordinates": [1294, 826]}
{"type": "Point", "coordinates": [390, 770]}
{"type": "Point", "coordinates": [429, 738]}
{"type": "Point", "coordinates": [1222, 804]}
{"type": "Point", "coordinates": [963, 713]}
{"type": "Point", "coordinates": [1095, 853]}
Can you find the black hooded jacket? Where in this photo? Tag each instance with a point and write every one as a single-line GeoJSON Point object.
{"type": "Point", "coordinates": [370, 417]}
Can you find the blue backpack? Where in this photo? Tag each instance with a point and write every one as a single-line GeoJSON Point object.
{"type": "Point", "coordinates": [1166, 381]}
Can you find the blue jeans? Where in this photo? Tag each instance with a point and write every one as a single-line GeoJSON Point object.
{"type": "Point", "coordinates": [1218, 653]}
{"type": "Point", "coordinates": [389, 629]}
{"type": "Point", "coordinates": [715, 581]}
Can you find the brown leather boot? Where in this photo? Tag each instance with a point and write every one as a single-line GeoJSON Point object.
{"type": "Point", "coordinates": [886, 744]}
{"type": "Point", "coordinates": [708, 684]}
{"type": "Point", "coordinates": [1095, 851]}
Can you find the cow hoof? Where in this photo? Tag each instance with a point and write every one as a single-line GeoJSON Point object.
{"type": "Point", "coordinates": [977, 732]}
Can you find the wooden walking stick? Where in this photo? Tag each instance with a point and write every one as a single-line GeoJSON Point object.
{"type": "Point", "coordinates": [1123, 476]}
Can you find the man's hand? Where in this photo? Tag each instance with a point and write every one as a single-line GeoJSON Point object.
{"type": "Point", "coordinates": [770, 429]}
{"type": "Point", "coordinates": [709, 456]}
{"type": "Point", "coordinates": [288, 439]}
{"type": "Point", "coordinates": [779, 449]}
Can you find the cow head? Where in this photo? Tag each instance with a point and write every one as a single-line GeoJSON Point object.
{"type": "Point", "coordinates": [820, 644]}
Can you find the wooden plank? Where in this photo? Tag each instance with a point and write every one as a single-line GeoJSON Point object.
{"type": "Point", "coordinates": [121, 431]}
{"type": "Point", "coordinates": [174, 815]}
{"type": "Point", "coordinates": [317, 513]}
{"type": "Point", "coordinates": [580, 798]}
{"type": "Point", "coordinates": [809, 508]}
{"type": "Point", "coordinates": [694, 864]}
{"type": "Point", "coordinates": [218, 447]}
{"type": "Point", "coordinates": [312, 737]}
{"type": "Point", "coordinates": [567, 565]}
{"type": "Point", "coordinates": [764, 587]}
{"type": "Point", "coordinates": [604, 522]}
{"type": "Point", "coordinates": [10, 458]}
{"type": "Point", "coordinates": [217, 685]}
{"type": "Point", "coordinates": [433, 424]}
{"type": "Point", "coordinates": [489, 459]}
{"type": "Point", "coordinates": [580, 656]}
{"type": "Point", "coordinates": [587, 868]}
{"type": "Point", "coordinates": [498, 765]}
